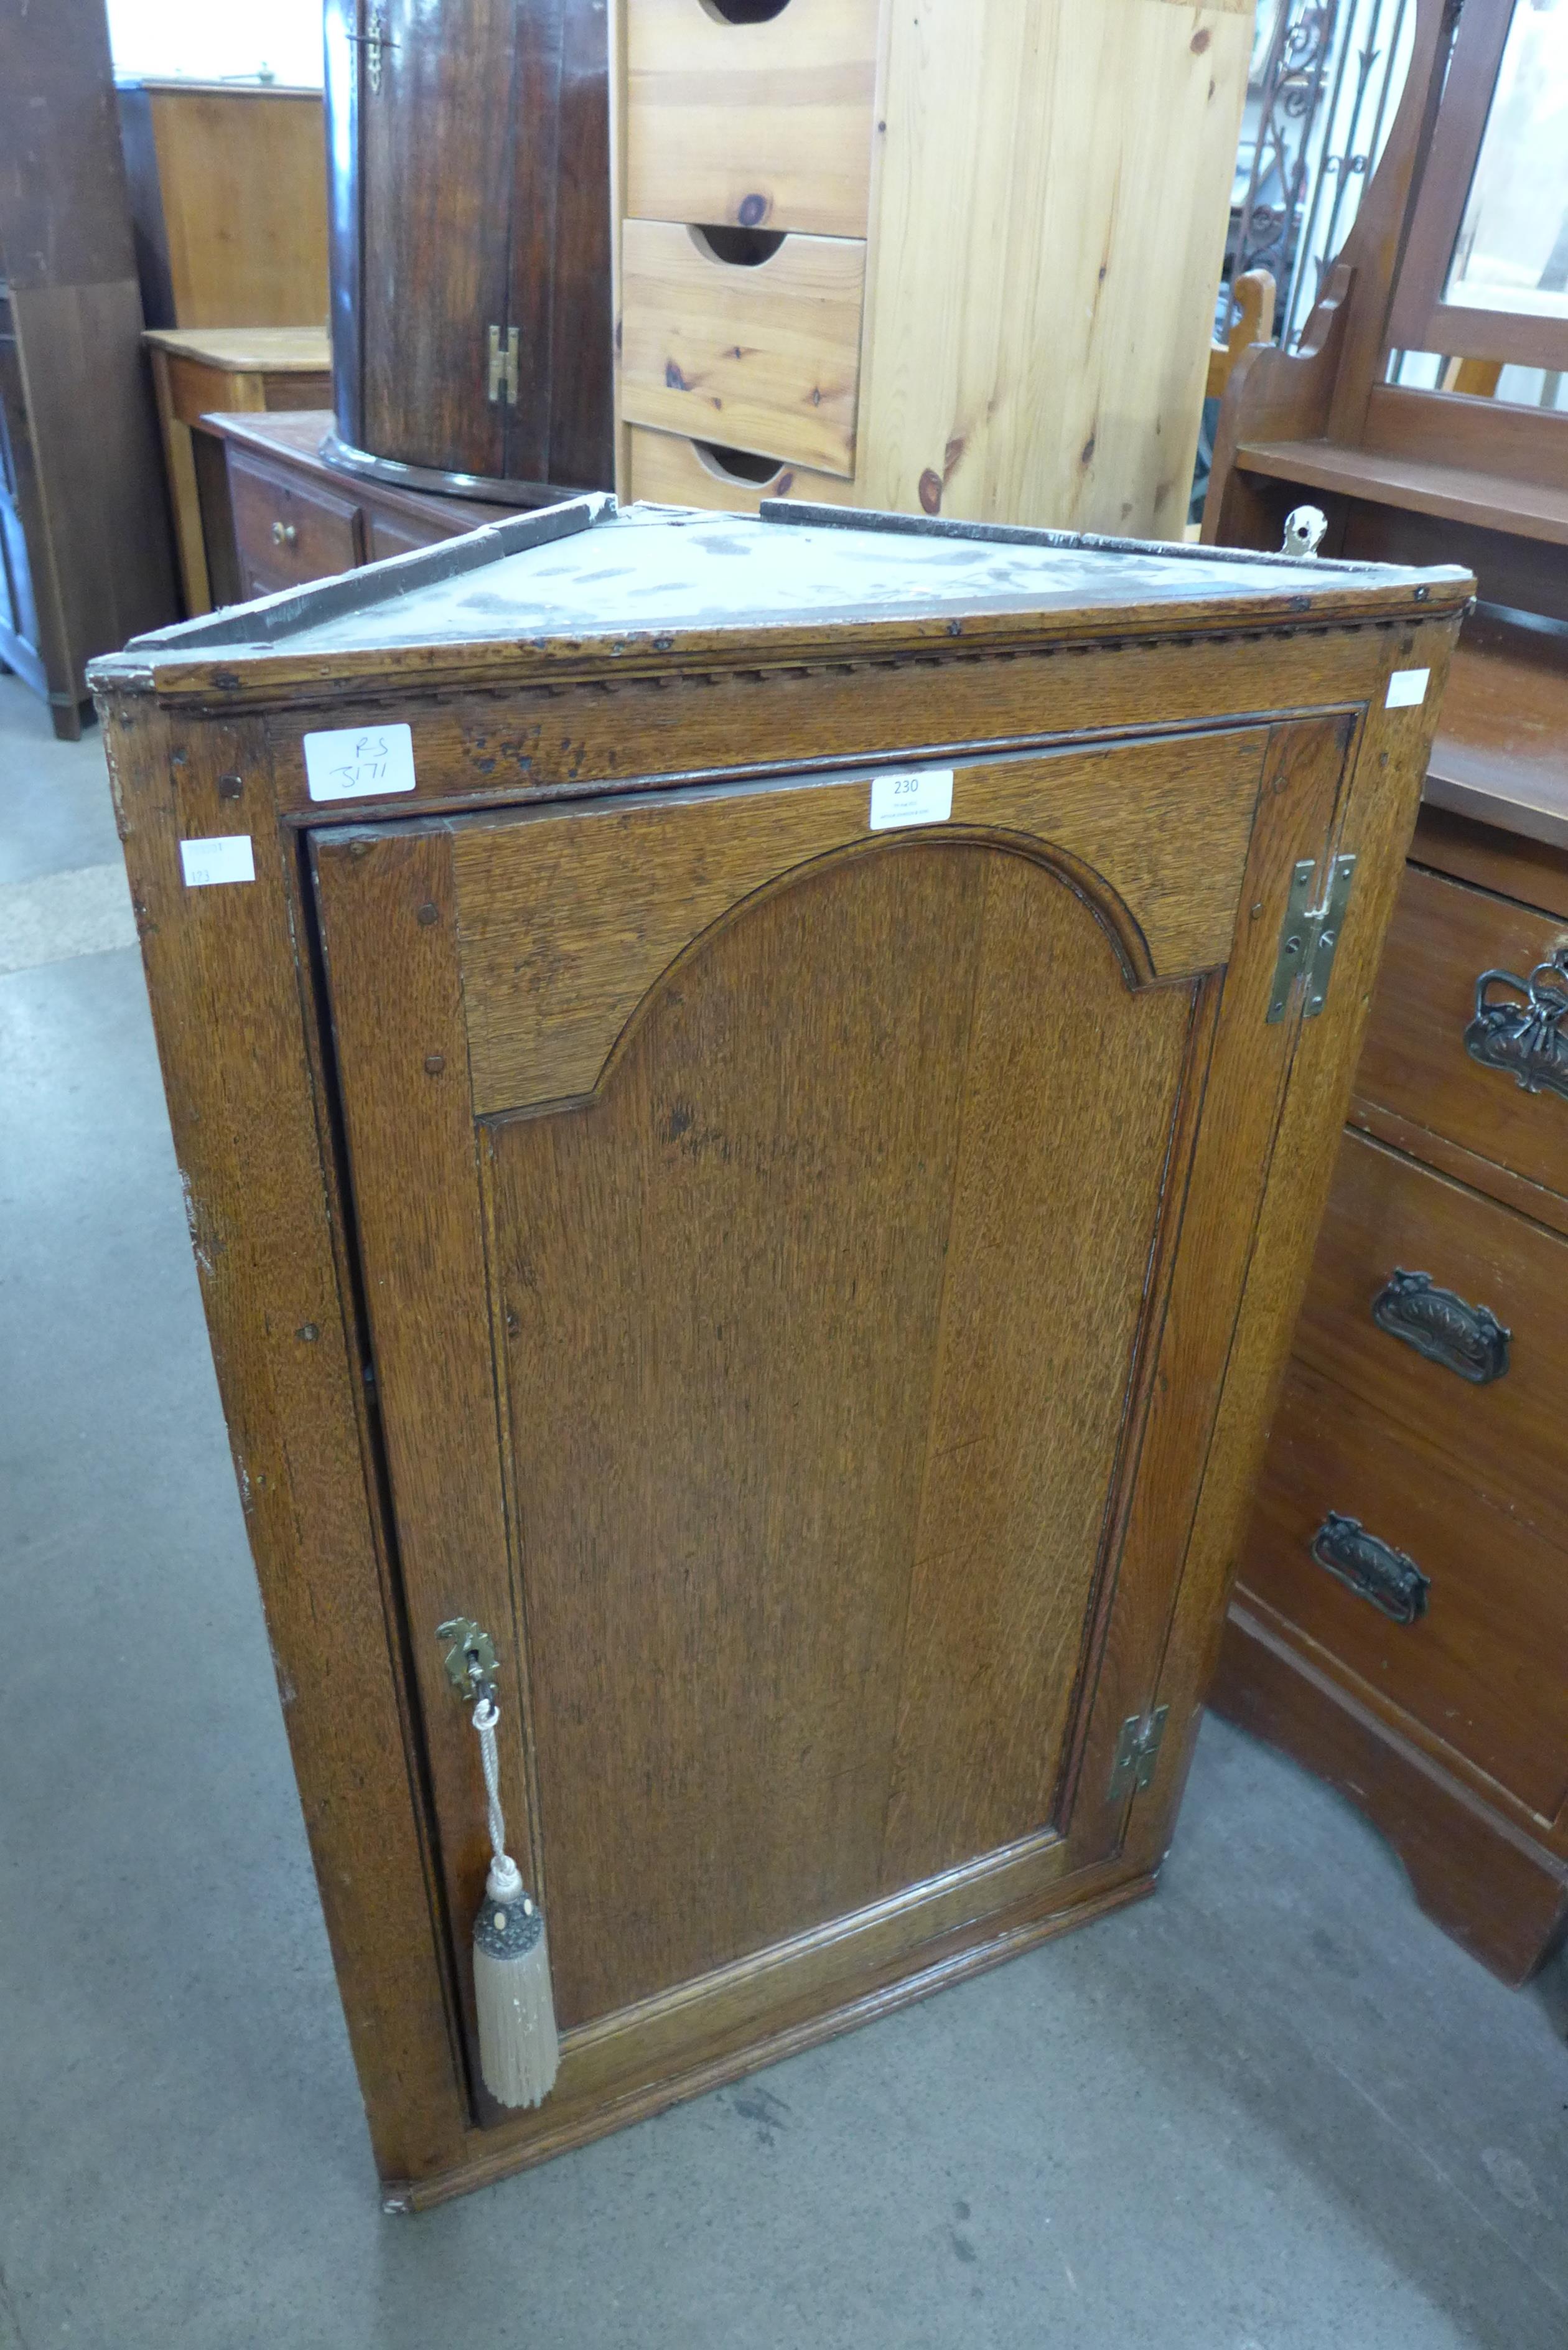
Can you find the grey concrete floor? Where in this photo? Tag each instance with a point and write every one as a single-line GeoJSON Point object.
{"type": "Point", "coordinates": [1272, 2110]}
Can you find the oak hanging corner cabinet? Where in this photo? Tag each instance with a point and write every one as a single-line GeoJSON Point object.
{"type": "Point", "coordinates": [756, 1095]}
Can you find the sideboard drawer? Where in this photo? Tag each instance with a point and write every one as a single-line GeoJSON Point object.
{"type": "Point", "coordinates": [765, 124]}
{"type": "Point", "coordinates": [1444, 1311]}
{"type": "Point", "coordinates": [669, 470]}
{"type": "Point", "coordinates": [765, 357]}
{"type": "Point", "coordinates": [1444, 936]}
{"type": "Point", "coordinates": [286, 532]}
{"type": "Point", "coordinates": [1484, 1668]}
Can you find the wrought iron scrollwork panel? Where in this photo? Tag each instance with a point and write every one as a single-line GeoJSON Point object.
{"type": "Point", "coordinates": [1389, 1579]}
{"type": "Point", "coordinates": [1522, 1031]}
{"type": "Point", "coordinates": [1466, 1340]}
{"type": "Point", "coordinates": [1325, 98]}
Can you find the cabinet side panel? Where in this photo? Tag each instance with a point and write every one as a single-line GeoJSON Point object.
{"type": "Point", "coordinates": [1050, 222]}
{"type": "Point", "coordinates": [224, 986]}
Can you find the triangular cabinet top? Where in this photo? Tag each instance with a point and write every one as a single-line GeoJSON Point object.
{"type": "Point", "coordinates": [585, 586]}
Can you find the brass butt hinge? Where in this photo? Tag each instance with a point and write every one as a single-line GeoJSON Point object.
{"type": "Point", "coordinates": [1138, 1751]}
{"type": "Point", "coordinates": [1309, 935]}
{"type": "Point", "coordinates": [504, 367]}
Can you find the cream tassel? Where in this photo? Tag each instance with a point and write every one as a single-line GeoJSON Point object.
{"type": "Point", "coordinates": [518, 2050]}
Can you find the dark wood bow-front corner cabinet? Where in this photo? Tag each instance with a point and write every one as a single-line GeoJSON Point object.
{"type": "Point", "coordinates": [755, 1095]}
{"type": "Point", "coordinates": [469, 197]}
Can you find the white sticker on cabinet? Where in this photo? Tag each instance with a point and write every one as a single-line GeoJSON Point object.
{"type": "Point", "coordinates": [1407, 689]}
{"type": "Point", "coordinates": [229, 858]}
{"type": "Point", "coordinates": [918, 795]}
{"type": "Point", "coordinates": [359, 763]}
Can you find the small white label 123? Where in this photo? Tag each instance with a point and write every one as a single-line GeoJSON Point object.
{"type": "Point", "coordinates": [918, 795]}
{"type": "Point", "coordinates": [227, 857]}
{"type": "Point", "coordinates": [359, 763]}
{"type": "Point", "coordinates": [1407, 689]}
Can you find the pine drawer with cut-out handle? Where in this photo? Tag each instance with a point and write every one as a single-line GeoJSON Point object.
{"type": "Point", "coordinates": [756, 112]}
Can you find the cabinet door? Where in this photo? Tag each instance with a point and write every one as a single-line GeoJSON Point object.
{"type": "Point", "coordinates": [436, 113]}
{"type": "Point", "coordinates": [801, 1260]}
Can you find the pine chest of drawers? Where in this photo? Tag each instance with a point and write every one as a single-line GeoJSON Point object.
{"type": "Point", "coordinates": [956, 258]}
{"type": "Point", "coordinates": [754, 1096]}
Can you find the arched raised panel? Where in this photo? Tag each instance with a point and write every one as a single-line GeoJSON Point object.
{"type": "Point", "coordinates": [820, 1317]}
{"type": "Point", "coordinates": [569, 917]}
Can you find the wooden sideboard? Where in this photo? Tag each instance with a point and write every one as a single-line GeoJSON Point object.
{"type": "Point", "coordinates": [811, 1015]}
{"type": "Point", "coordinates": [228, 370]}
{"type": "Point", "coordinates": [1401, 1622]}
{"type": "Point", "coordinates": [958, 260]}
{"type": "Point", "coordinates": [274, 513]}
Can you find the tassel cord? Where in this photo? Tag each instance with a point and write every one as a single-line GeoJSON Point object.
{"type": "Point", "coordinates": [505, 1877]}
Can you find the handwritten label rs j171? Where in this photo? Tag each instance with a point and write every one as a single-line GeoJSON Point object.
{"type": "Point", "coordinates": [359, 763]}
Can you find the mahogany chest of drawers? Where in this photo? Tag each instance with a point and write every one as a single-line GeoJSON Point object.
{"type": "Point", "coordinates": [1402, 1620]}
{"type": "Point", "coordinates": [276, 515]}
{"type": "Point", "coordinates": [754, 1096]}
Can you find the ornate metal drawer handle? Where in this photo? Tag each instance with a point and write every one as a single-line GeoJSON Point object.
{"type": "Point", "coordinates": [1469, 1339]}
{"type": "Point", "coordinates": [1392, 1581]}
{"type": "Point", "coordinates": [1524, 1034]}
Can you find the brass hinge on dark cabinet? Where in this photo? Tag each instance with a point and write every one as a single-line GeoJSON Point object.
{"type": "Point", "coordinates": [1309, 935]}
{"type": "Point", "coordinates": [502, 367]}
{"type": "Point", "coordinates": [1138, 1751]}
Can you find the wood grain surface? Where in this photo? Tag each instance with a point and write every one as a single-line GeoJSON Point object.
{"type": "Point", "coordinates": [229, 193]}
{"type": "Point", "coordinates": [1497, 1893]}
{"type": "Point", "coordinates": [1420, 484]}
{"type": "Point", "coordinates": [765, 357]}
{"type": "Point", "coordinates": [771, 1404]}
{"type": "Point", "coordinates": [289, 529]}
{"type": "Point", "coordinates": [1387, 1211]}
{"type": "Point", "coordinates": [1509, 863]}
{"type": "Point", "coordinates": [1498, 753]}
{"type": "Point", "coordinates": [1046, 245]}
{"type": "Point", "coordinates": [1230, 1301]}
{"type": "Point", "coordinates": [1461, 1670]}
{"type": "Point", "coordinates": [434, 277]}
{"type": "Point", "coordinates": [1046, 1289]}
{"type": "Point", "coordinates": [669, 469]}
{"type": "Point", "coordinates": [250, 1123]}
{"type": "Point", "coordinates": [1443, 936]}
{"type": "Point", "coordinates": [767, 125]}
{"type": "Point", "coordinates": [552, 973]}
{"type": "Point", "coordinates": [421, 1224]}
